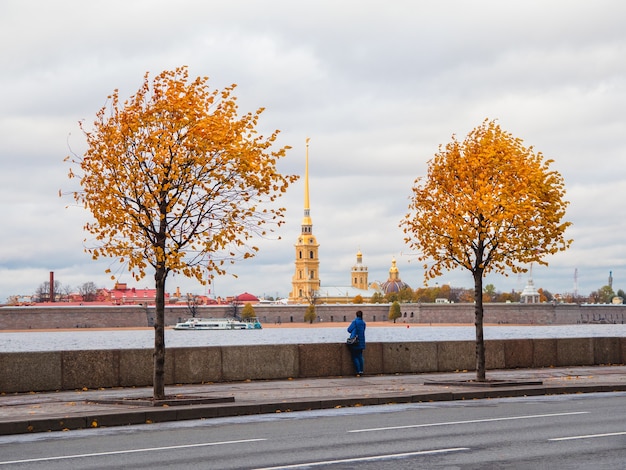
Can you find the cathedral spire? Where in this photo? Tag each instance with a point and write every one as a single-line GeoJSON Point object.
{"type": "Point", "coordinates": [307, 223]}
{"type": "Point", "coordinates": [305, 284]}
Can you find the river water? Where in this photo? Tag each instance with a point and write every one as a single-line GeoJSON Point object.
{"type": "Point", "coordinates": [144, 338]}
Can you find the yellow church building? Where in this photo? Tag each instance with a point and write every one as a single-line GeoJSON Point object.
{"type": "Point", "coordinates": [305, 284]}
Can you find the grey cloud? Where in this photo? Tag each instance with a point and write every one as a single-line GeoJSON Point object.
{"type": "Point", "coordinates": [377, 87]}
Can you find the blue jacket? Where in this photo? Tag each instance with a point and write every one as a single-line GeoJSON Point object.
{"type": "Point", "coordinates": [357, 328]}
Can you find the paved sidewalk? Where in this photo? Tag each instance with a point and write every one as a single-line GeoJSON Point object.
{"type": "Point", "coordinates": [41, 412]}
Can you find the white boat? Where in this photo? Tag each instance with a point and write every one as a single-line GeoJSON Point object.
{"type": "Point", "coordinates": [218, 324]}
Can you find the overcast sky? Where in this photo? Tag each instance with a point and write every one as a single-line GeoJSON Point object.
{"type": "Point", "coordinates": [377, 86]}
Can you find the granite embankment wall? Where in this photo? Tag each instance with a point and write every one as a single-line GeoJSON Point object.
{"type": "Point", "coordinates": [76, 370]}
{"type": "Point", "coordinates": [60, 316]}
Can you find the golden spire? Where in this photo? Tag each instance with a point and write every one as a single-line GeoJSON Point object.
{"type": "Point", "coordinates": [306, 220]}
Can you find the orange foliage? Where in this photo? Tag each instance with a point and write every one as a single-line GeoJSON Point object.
{"type": "Point", "coordinates": [174, 174]}
{"type": "Point", "coordinates": [487, 204]}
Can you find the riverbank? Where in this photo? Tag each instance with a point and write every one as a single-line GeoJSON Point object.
{"type": "Point", "coordinates": [292, 316]}
{"type": "Point", "coordinates": [378, 324]}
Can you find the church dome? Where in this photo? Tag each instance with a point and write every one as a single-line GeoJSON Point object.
{"type": "Point", "coordinates": [394, 284]}
{"type": "Point", "coordinates": [359, 266]}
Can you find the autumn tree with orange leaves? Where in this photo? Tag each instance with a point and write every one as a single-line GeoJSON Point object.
{"type": "Point", "coordinates": [486, 204]}
{"type": "Point", "coordinates": [177, 182]}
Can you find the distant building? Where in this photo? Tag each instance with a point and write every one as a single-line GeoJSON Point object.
{"type": "Point", "coordinates": [530, 295]}
{"type": "Point", "coordinates": [394, 284]}
{"type": "Point", "coordinates": [246, 298]}
{"type": "Point", "coordinates": [347, 293]}
{"type": "Point", "coordinates": [305, 284]}
{"type": "Point", "coordinates": [359, 273]}
{"type": "Point", "coordinates": [121, 294]}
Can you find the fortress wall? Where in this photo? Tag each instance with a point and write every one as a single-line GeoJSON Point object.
{"type": "Point", "coordinates": [75, 370]}
{"type": "Point", "coordinates": [27, 318]}
{"type": "Point", "coordinates": [86, 316]}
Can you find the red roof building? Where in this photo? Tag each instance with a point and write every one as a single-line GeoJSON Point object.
{"type": "Point", "coordinates": [247, 298]}
{"type": "Point", "coordinates": [122, 295]}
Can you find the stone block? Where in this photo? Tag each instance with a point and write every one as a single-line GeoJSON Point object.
{"type": "Point", "coordinates": [607, 351]}
{"type": "Point", "coordinates": [622, 348]}
{"type": "Point", "coordinates": [54, 424]}
{"type": "Point", "coordinates": [161, 415]}
{"type": "Point", "coordinates": [373, 358]}
{"type": "Point", "coordinates": [347, 368]}
{"type": "Point", "coordinates": [494, 354]}
{"type": "Point", "coordinates": [408, 358]}
{"type": "Point", "coordinates": [544, 352]}
{"type": "Point", "coordinates": [518, 353]}
{"type": "Point", "coordinates": [90, 369]}
{"type": "Point", "coordinates": [574, 351]}
{"type": "Point", "coordinates": [136, 367]}
{"type": "Point", "coordinates": [260, 362]}
{"type": "Point", "coordinates": [195, 365]}
{"type": "Point", "coordinates": [30, 371]}
{"type": "Point", "coordinates": [197, 412]}
{"type": "Point", "coordinates": [124, 418]}
{"type": "Point", "coordinates": [456, 355]}
{"type": "Point", "coordinates": [320, 360]}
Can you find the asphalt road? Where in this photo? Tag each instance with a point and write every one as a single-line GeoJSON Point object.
{"type": "Point", "coordinates": [565, 431]}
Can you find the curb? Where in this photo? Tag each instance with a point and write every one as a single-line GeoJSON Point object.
{"type": "Point", "coordinates": [189, 412]}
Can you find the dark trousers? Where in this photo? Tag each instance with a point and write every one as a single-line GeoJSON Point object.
{"type": "Point", "coordinates": [357, 359]}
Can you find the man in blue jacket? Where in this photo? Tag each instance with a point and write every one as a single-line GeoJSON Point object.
{"type": "Point", "coordinates": [357, 330]}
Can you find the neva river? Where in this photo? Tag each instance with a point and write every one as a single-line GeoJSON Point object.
{"type": "Point", "coordinates": [144, 338]}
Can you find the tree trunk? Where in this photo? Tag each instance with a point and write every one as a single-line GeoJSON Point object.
{"type": "Point", "coordinates": [478, 322]}
{"type": "Point", "coordinates": [158, 382]}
